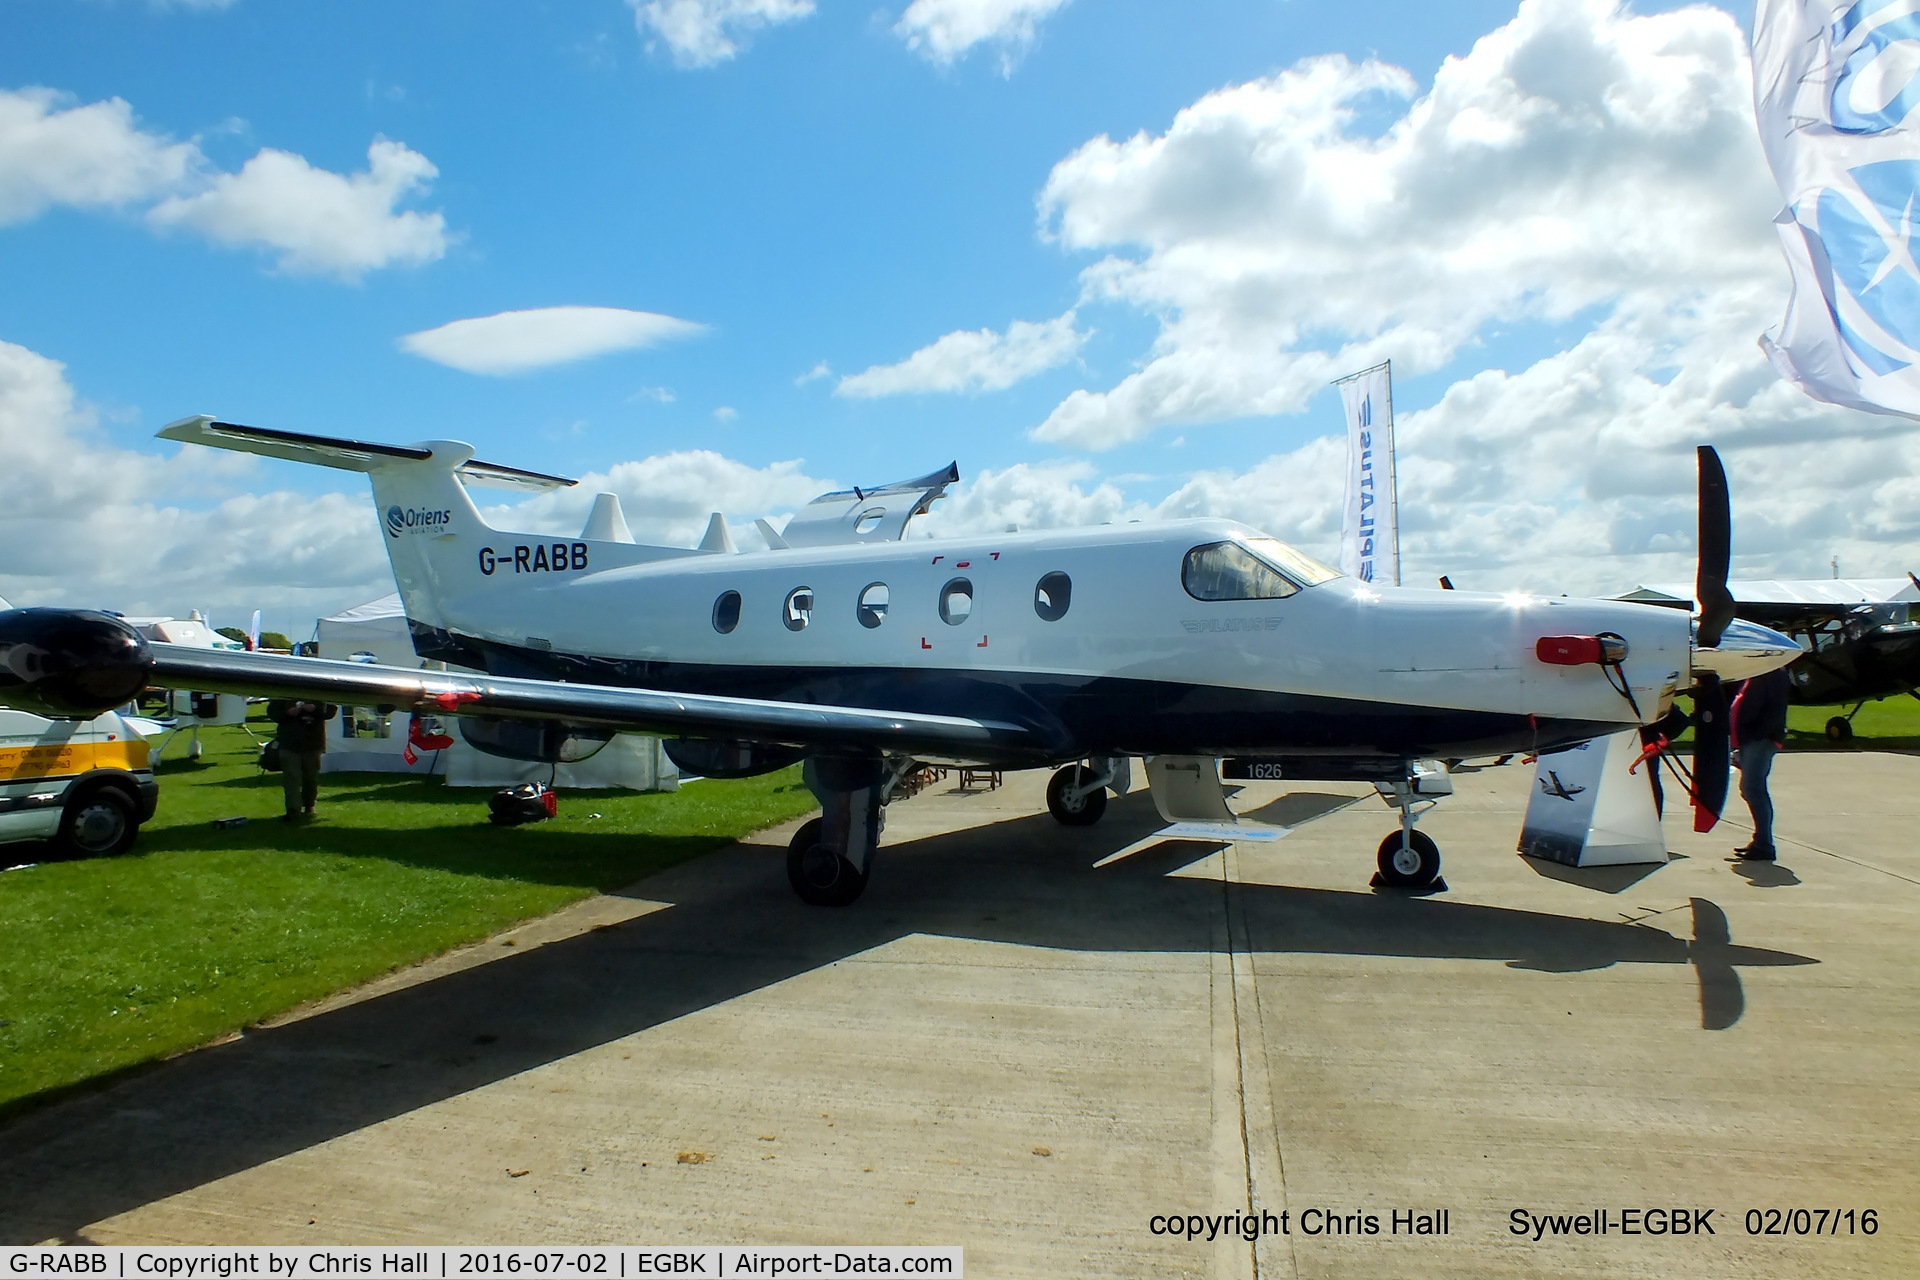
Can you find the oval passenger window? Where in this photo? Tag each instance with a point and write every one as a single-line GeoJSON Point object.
{"type": "Point", "coordinates": [726, 612]}
{"type": "Point", "coordinates": [1052, 595]}
{"type": "Point", "coordinates": [869, 521]}
{"type": "Point", "coordinates": [797, 612]}
{"type": "Point", "coordinates": [956, 602]}
{"type": "Point", "coordinates": [873, 604]}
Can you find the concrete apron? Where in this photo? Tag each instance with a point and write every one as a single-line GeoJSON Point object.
{"type": "Point", "coordinates": [1029, 1040]}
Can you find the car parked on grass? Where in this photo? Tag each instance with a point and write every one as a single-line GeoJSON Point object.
{"type": "Point", "coordinates": [84, 784]}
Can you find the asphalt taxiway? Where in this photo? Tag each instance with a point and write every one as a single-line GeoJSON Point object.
{"type": "Point", "coordinates": [1034, 1042]}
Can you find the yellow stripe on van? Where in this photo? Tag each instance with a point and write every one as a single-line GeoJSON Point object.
{"type": "Point", "coordinates": [64, 759]}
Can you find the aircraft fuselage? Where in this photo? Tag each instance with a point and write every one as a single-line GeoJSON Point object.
{"type": "Point", "coordinates": [1134, 664]}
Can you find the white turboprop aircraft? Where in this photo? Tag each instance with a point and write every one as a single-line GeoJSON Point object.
{"type": "Point", "coordinates": [859, 653]}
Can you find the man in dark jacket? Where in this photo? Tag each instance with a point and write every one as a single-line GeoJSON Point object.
{"type": "Point", "coordinates": [1759, 730]}
{"type": "Point", "coordinates": [303, 739]}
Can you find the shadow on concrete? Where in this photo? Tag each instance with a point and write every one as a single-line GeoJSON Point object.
{"type": "Point", "coordinates": [734, 928]}
{"type": "Point", "coordinates": [1599, 879]}
{"type": "Point", "coordinates": [1766, 875]}
{"type": "Point", "coordinates": [1301, 807]}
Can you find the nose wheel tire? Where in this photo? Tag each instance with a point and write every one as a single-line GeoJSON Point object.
{"type": "Point", "coordinates": [1067, 811]}
{"type": "Point", "coordinates": [820, 874]}
{"type": "Point", "coordinates": [1839, 729]}
{"type": "Point", "coordinates": [1412, 862]}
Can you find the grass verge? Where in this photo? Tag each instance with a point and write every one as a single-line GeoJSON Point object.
{"type": "Point", "coordinates": [203, 930]}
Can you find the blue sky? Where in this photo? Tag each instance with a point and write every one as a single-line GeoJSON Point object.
{"type": "Point", "coordinates": [823, 196]}
{"type": "Point", "coordinates": [832, 195]}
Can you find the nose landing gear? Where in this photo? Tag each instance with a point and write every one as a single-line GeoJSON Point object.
{"type": "Point", "coordinates": [1410, 859]}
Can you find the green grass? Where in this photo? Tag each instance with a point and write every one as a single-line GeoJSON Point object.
{"type": "Point", "coordinates": [1887, 722]}
{"type": "Point", "coordinates": [203, 930]}
{"type": "Point", "coordinates": [1892, 724]}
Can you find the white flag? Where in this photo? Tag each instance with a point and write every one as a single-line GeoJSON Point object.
{"type": "Point", "coordinates": [1834, 85]}
{"type": "Point", "coordinates": [1369, 538]}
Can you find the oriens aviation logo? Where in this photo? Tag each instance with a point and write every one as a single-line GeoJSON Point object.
{"type": "Point", "coordinates": [414, 519]}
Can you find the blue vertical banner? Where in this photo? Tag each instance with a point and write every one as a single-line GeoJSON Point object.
{"type": "Point", "coordinates": [1370, 533]}
{"type": "Point", "coordinates": [1835, 85]}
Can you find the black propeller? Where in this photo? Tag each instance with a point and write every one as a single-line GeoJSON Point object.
{"type": "Point", "coordinates": [1716, 549]}
{"type": "Point", "coordinates": [1712, 732]}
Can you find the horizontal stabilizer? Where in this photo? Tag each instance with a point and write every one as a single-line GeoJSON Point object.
{"type": "Point", "coordinates": [342, 455]}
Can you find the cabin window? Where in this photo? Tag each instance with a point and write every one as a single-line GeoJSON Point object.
{"type": "Point", "coordinates": [797, 612]}
{"type": "Point", "coordinates": [1228, 571]}
{"type": "Point", "coordinates": [869, 521]}
{"type": "Point", "coordinates": [872, 610]}
{"type": "Point", "coordinates": [956, 602]}
{"type": "Point", "coordinates": [726, 612]}
{"type": "Point", "coordinates": [1052, 595]}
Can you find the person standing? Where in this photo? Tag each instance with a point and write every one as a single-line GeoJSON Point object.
{"type": "Point", "coordinates": [303, 740]}
{"type": "Point", "coordinates": [1759, 731]}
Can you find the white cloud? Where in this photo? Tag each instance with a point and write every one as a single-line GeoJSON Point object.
{"type": "Point", "coordinates": [814, 374]}
{"type": "Point", "coordinates": [1577, 157]}
{"type": "Point", "coordinates": [88, 523]}
{"type": "Point", "coordinates": [53, 153]}
{"type": "Point", "coordinates": [94, 155]}
{"type": "Point", "coordinates": [725, 413]}
{"type": "Point", "coordinates": [320, 222]}
{"type": "Point", "coordinates": [667, 498]}
{"type": "Point", "coordinates": [705, 33]}
{"type": "Point", "coordinates": [95, 525]}
{"type": "Point", "coordinates": [944, 31]}
{"type": "Point", "coordinates": [517, 341]}
{"type": "Point", "coordinates": [973, 360]}
{"type": "Point", "coordinates": [1045, 495]}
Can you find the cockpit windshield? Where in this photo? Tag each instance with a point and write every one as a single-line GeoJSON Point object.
{"type": "Point", "coordinates": [1299, 566]}
{"type": "Point", "coordinates": [1252, 569]}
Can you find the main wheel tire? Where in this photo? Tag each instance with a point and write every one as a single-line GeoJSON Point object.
{"type": "Point", "coordinates": [1083, 812]}
{"type": "Point", "coordinates": [1412, 864]}
{"type": "Point", "coordinates": [820, 875]}
{"type": "Point", "coordinates": [1839, 729]}
{"type": "Point", "coordinates": [98, 823]}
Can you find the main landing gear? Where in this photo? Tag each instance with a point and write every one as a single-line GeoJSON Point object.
{"type": "Point", "coordinates": [831, 857]}
{"type": "Point", "coordinates": [1077, 794]}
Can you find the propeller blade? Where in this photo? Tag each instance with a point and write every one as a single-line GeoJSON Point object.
{"type": "Point", "coordinates": [1716, 550]}
{"type": "Point", "coordinates": [1712, 750]}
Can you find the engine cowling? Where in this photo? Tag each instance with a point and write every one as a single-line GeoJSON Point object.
{"type": "Point", "coordinates": [70, 663]}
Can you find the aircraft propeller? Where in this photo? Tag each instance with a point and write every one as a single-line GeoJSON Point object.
{"type": "Point", "coordinates": [1712, 728]}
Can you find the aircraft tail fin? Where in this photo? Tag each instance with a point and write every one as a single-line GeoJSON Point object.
{"type": "Point", "coordinates": [456, 573]}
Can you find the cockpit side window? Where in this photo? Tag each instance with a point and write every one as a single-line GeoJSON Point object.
{"type": "Point", "coordinates": [1228, 571]}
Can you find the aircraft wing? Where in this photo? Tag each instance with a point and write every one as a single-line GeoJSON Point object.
{"type": "Point", "coordinates": [603, 706]}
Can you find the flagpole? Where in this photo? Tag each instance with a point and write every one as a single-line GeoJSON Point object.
{"type": "Point", "coordinates": [1394, 457]}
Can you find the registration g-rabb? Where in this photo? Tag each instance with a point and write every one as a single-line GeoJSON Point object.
{"type": "Point", "coordinates": [66, 1262]}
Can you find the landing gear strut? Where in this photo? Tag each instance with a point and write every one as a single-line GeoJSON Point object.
{"type": "Point", "coordinates": [831, 857]}
{"type": "Point", "coordinates": [1410, 859]}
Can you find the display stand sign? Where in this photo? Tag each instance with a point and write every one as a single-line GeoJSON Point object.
{"type": "Point", "coordinates": [1587, 810]}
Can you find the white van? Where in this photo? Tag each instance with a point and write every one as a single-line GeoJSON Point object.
{"type": "Point", "coordinates": [84, 784]}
